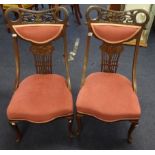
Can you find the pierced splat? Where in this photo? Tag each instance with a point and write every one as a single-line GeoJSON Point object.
{"type": "Point", "coordinates": [110, 56]}
{"type": "Point", "coordinates": [42, 57]}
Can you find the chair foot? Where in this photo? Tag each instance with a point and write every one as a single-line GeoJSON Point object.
{"type": "Point", "coordinates": [70, 125]}
{"type": "Point", "coordinates": [78, 120]}
{"type": "Point", "coordinates": [18, 133]}
{"type": "Point", "coordinates": [130, 131]}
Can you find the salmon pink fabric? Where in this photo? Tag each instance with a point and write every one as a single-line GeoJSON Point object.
{"type": "Point", "coordinates": [41, 98]}
{"type": "Point", "coordinates": [114, 33]}
{"type": "Point", "coordinates": [38, 33]}
{"type": "Point", "coordinates": [109, 97]}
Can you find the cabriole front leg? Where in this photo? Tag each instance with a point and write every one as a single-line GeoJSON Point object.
{"type": "Point", "coordinates": [133, 125]}
{"type": "Point", "coordinates": [78, 120]}
{"type": "Point", "coordinates": [18, 133]}
{"type": "Point", "coordinates": [70, 125]}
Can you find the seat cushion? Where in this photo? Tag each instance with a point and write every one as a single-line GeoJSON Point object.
{"type": "Point", "coordinates": [114, 33]}
{"type": "Point", "coordinates": [109, 97]}
{"type": "Point", "coordinates": [41, 98]}
{"type": "Point", "coordinates": [38, 33]}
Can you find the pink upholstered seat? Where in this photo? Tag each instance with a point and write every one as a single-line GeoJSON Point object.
{"type": "Point", "coordinates": [38, 33]}
{"type": "Point", "coordinates": [41, 98]}
{"type": "Point", "coordinates": [109, 97]}
{"type": "Point", "coordinates": [114, 33]}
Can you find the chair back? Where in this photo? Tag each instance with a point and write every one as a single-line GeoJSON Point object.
{"type": "Point", "coordinates": [40, 29]}
{"type": "Point", "coordinates": [114, 28]}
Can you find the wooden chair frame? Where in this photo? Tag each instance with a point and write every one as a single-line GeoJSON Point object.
{"type": "Point", "coordinates": [116, 17]}
{"type": "Point", "coordinates": [37, 17]}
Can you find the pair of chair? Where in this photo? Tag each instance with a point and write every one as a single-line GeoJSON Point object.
{"type": "Point", "coordinates": [105, 95]}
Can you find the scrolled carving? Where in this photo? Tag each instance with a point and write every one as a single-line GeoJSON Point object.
{"type": "Point", "coordinates": [42, 57]}
{"type": "Point", "coordinates": [110, 56]}
{"type": "Point", "coordinates": [44, 49]}
{"type": "Point", "coordinates": [120, 17]}
{"type": "Point", "coordinates": [110, 49]}
{"type": "Point", "coordinates": [25, 16]}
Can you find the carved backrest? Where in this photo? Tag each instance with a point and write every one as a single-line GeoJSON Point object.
{"type": "Point", "coordinates": [111, 51]}
{"type": "Point", "coordinates": [39, 28]}
{"type": "Point", "coordinates": [42, 57]}
{"type": "Point", "coordinates": [114, 28]}
{"type": "Point", "coordinates": [129, 17]}
{"type": "Point", "coordinates": [24, 16]}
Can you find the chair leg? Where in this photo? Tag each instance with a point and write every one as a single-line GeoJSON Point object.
{"type": "Point", "coordinates": [77, 13]}
{"type": "Point", "coordinates": [70, 125]}
{"type": "Point", "coordinates": [18, 133]}
{"type": "Point", "coordinates": [78, 120]}
{"type": "Point", "coordinates": [8, 29]}
{"type": "Point", "coordinates": [71, 6]}
{"type": "Point", "coordinates": [130, 131]}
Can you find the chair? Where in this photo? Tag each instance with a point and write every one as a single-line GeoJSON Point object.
{"type": "Point", "coordinates": [107, 95]}
{"type": "Point", "coordinates": [43, 96]}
